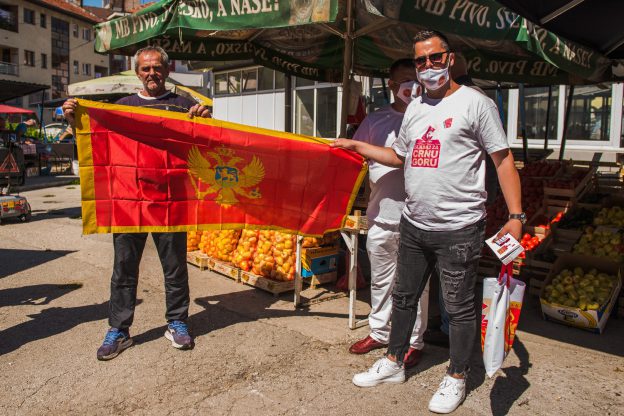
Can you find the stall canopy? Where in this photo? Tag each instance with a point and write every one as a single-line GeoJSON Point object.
{"type": "Point", "coordinates": [324, 40]}
{"type": "Point", "coordinates": [594, 23]}
{"type": "Point", "coordinates": [7, 109]}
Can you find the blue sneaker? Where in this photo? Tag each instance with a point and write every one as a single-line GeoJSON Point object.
{"type": "Point", "coordinates": [115, 342]}
{"type": "Point", "coordinates": [177, 332]}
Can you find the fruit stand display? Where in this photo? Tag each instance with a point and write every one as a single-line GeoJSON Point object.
{"type": "Point", "coordinates": [265, 259]}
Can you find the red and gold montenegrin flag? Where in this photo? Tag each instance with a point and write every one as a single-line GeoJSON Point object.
{"type": "Point", "coordinates": [146, 170]}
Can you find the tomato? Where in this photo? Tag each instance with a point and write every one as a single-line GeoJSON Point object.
{"type": "Point", "coordinates": [535, 240]}
{"type": "Point", "coordinates": [526, 237]}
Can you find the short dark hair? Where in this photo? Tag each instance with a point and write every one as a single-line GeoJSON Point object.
{"type": "Point", "coordinates": [164, 58]}
{"type": "Point", "coordinates": [428, 34]}
{"type": "Point", "coordinates": [402, 63]}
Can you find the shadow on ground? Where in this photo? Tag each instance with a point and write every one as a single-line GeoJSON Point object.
{"type": "Point", "coordinates": [36, 294]}
{"type": "Point", "coordinates": [45, 214]}
{"type": "Point", "coordinates": [611, 341]}
{"type": "Point", "coordinates": [50, 322]}
{"type": "Point", "coordinates": [17, 260]}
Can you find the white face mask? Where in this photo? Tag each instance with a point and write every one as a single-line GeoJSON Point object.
{"type": "Point", "coordinates": [409, 90]}
{"type": "Point", "coordinates": [433, 79]}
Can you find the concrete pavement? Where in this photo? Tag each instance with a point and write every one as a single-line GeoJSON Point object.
{"type": "Point", "coordinates": [254, 353]}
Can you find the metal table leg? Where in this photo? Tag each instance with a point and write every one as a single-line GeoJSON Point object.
{"type": "Point", "coordinates": [351, 239]}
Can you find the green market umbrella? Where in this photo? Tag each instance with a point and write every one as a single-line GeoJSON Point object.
{"type": "Point", "coordinates": [308, 38]}
{"type": "Point", "coordinates": [329, 39]}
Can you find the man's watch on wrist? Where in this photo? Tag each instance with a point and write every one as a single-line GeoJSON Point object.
{"type": "Point", "coordinates": [521, 217]}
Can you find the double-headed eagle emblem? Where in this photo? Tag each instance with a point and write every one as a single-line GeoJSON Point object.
{"type": "Point", "coordinates": [224, 178]}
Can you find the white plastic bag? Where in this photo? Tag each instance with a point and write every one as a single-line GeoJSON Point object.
{"type": "Point", "coordinates": [502, 302]}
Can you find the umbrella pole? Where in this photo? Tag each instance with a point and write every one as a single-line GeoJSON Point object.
{"type": "Point", "coordinates": [566, 119]}
{"type": "Point", "coordinates": [40, 108]}
{"type": "Point", "coordinates": [525, 142]}
{"type": "Point", "coordinates": [346, 70]}
{"type": "Point", "coordinates": [548, 117]}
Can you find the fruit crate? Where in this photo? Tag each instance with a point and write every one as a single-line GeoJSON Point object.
{"type": "Point", "coordinates": [198, 258]}
{"type": "Point", "coordinates": [224, 269]}
{"type": "Point", "coordinates": [590, 320]}
{"type": "Point", "coordinates": [272, 286]}
{"type": "Point", "coordinates": [566, 197]}
{"type": "Point", "coordinates": [535, 272]}
{"type": "Point", "coordinates": [620, 310]}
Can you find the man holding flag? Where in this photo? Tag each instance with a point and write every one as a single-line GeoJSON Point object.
{"type": "Point", "coordinates": [152, 68]}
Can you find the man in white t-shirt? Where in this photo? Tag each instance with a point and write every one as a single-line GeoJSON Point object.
{"type": "Point", "coordinates": [386, 202]}
{"type": "Point", "coordinates": [442, 146]}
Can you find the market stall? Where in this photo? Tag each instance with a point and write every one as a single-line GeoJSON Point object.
{"type": "Point", "coordinates": [333, 41]}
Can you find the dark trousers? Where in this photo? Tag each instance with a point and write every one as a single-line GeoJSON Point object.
{"type": "Point", "coordinates": [128, 251]}
{"type": "Point", "coordinates": [456, 256]}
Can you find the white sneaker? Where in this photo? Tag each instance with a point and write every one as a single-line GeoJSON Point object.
{"type": "Point", "coordinates": [383, 371]}
{"type": "Point", "coordinates": [450, 395]}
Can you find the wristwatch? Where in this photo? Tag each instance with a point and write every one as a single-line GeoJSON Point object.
{"type": "Point", "coordinates": [522, 217]}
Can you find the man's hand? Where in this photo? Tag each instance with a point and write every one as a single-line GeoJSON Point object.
{"type": "Point", "coordinates": [513, 227]}
{"type": "Point", "coordinates": [69, 110]}
{"type": "Point", "coordinates": [199, 110]}
{"type": "Point", "coordinates": [347, 144]}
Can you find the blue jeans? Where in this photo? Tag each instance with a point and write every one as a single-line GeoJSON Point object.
{"type": "Point", "coordinates": [456, 253]}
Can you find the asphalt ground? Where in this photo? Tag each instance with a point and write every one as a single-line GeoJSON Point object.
{"type": "Point", "coordinates": [254, 354]}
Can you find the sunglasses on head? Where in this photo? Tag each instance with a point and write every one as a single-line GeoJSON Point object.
{"type": "Point", "coordinates": [436, 59]}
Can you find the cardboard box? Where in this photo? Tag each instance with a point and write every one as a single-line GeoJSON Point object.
{"type": "Point", "coordinates": [318, 261]}
{"type": "Point", "coordinates": [593, 321]}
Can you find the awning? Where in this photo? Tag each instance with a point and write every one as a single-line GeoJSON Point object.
{"type": "Point", "coordinates": [10, 89]}
{"type": "Point", "coordinates": [596, 24]}
{"type": "Point", "coordinates": [7, 109]}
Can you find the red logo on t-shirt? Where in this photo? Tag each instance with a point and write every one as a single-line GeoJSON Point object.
{"type": "Point", "coordinates": [426, 153]}
{"type": "Point", "coordinates": [447, 123]}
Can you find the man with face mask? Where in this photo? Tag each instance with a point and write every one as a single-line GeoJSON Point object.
{"type": "Point", "coordinates": [385, 204]}
{"type": "Point", "coordinates": [444, 139]}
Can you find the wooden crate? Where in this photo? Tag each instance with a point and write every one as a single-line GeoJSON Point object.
{"type": "Point", "coordinates": [225, 269]}
{"type": "Point", "coordinates": [198, 258]}
{"type": "Point", "coordinates": [269, 285]}
{"type": "Point", "coordinates": [321, 279]}
{"type": "Point", "coordinates": [562, 197]}
{"type": "Point", "coordinates": [536, 272]}
{"type": "Point", "coordinates": [356, 222]}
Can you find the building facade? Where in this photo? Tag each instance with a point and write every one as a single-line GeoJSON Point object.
{"type": "Point", "coordinates": [256, 96]}
{"type": "Point", "coordinates": [49, 43]}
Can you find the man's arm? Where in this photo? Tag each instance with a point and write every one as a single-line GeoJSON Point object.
{"type": "Point", "coordinates": [384, 155]}
{"type": "Point", "coordinates": [509, 181]}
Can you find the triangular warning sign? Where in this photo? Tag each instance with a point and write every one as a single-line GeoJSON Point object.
{"type": "Point", "coordinates": [9, 165]}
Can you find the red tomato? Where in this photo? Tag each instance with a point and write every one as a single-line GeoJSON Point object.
{"type": "Point", "coordinates": [526, 237]}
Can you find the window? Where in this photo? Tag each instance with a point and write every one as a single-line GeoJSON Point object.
{"type": "Point", "coordinates": [8, 17]}
{"type": "Point", "coordinates": [75, 30]}
{"type": "Point", "coordinates": [536, 109]}
{"type": "Point", "coordinates": [326, 112]}
{"type": "Point", "coordinates": [250, 80]}
{"type": "Point", "coordinates": [76, 68]}
{"type": "Point", "coordinates": [29, 16]}
{"type": "Point", "coordinates": [86, 69]}
{"type": "Point", "coordinates": [304, 112]}
{"type": "Point", "coordinates": [265, 79]}
{"type": "Point", "coordinates": [590, 114]}
{"type": "Point", "coordinates": [29, 58]}
{"type": "Point", "coordinates": [220, 81]}
{"type": "Point", "coordinates": [44, 60]}
{"type": "Point", "coordinates": [86, 34]}
{"type": "Point", "coordinates": [100, 71]}
{"type": "Point", "coordinates": [43, 20]}
{"type": "Point", "coordinates": [234, 81]}
{"type": "Point", "coordinates": [59, 59]}
{"type": "Point", "coordinates": [280, 80]}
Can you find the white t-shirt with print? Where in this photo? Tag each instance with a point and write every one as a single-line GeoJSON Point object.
{"type": "Point", "coordinates": [387, 196]}
{"type": "Point", "coordinates": [444, 143]}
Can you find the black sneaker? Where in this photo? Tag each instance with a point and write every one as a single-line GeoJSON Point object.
{"type": "Point", "coordinates": [115, 342]}
{"type": "Point", "coordinates": [177, 332]}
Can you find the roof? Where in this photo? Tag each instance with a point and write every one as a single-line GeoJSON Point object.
{"type": "Point", "coordinates": [68, 8]}
{"type": "Point", "coordinates": [100, 12]}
